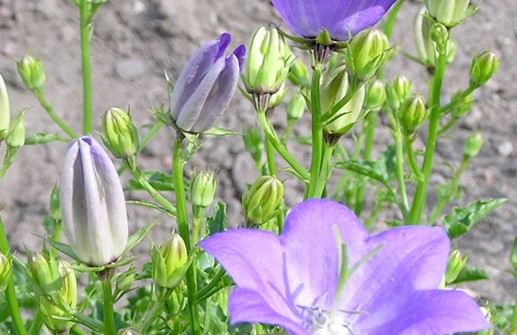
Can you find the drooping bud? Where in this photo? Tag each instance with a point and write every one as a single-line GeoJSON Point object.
{"type": "Point", "coordinates": [202, 189]}
{"type": "Point", "coordinates": [449, 12]}
{"type": "Point", "coordinates": [366, 53]}
{"type": "Point", "coordinates": [483, 68]}
{"type": "Point", "coordinates": [397, 91]}
{"type": "Point", "coordinates": [455, 265]}
{"type": "Point", "coordinates": [170, 262]}
{"type": "Point", "coordinates": [375, 96]}
{"type": "Point", "coordinates": [262, 202]}
{"type": "Point", "coordinates": [5, 272]}
{"type": "Point", "coordinates": [31, 72]}
{"type": "Point", "coordinates": [205, 85]}
{"type": "Point", "coordinates": [268, 61]}
{"type": "Point", "coordinates": [120, 134]}
{"type": "Point", "coordinates": [473, 145]}
{"type": "Point", "coordinates": [295, 108]}
{"type": "Point", "coordinates": [92, 203]}
{"type": "Point", "coordinates": [412, 113]}
{"type": "Point", "coordinates": [16, 136]}
{"type": "Point", "coordinates": [45, 273]}
{"type": "Point", "coordinates": [5, 110]}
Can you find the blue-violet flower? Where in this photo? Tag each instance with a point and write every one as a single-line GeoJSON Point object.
{"type": "Point", "coordinates": [92, 203]}
{"type": "Point", "coordinates": [205, 85]}
{"type": "Point", "coordinates": [294, 280]}
{"type": "Point", "coordinates": [341, 18]}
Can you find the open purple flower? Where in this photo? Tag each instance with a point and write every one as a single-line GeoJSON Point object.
{"type": "Point", "coordinates": [292, 280]}
{"type": "Point", "coordinates": [205, 85]}
{"type": "Point", "coordinates": [307, 18]}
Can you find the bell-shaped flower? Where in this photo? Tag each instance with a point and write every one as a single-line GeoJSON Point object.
{"type": "Point", "coordinates": [205, 85]}
{"type": "Point", "coordinates": [340, 18]}
{"type": "Point", "coordinates": [92, 203]}
{"type": "Point", "coordinates": [325, 275]}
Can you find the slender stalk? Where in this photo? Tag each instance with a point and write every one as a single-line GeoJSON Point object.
{"type": "Point", "coordinates": [211, 287]}
{"type": "Point", "coordinates": [109, 318]}
{"type": "Point", "coordinates": [413, 165]}
{"type": "Point", "coordinates": [36, 324]}
{"type": "Point", "coordinates": [182, 221]}
{"type": "Point", "coordinates": [325, 170]}
{"type": "Point", "coordinates": [399, 166]}
{"type": "Point", "coordinates": [10, 293]}
{"type": "Point", "coordinates": [77, 331]}
{"type": "Point", "coordinates": [513, 321]}
{"type": "Point", "coordinates": [151, 315]}
{"type": "Point", "coordinates": [369, 127]}
{"type": "Point", "coordinates": [50, 111]}
{"type": "Point", "coordinates": [270, 155]}
{"type": "Point", "coordinates": [317, 134]}
{"type": "Point", "coordinates": [419, 201]}
{"type": "Point", "coordinates": [392, 16]}
{"type": "Point", "coordinates": [84, 21]}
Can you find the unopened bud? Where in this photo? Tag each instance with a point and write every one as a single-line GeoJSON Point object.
{"type": "Point", "coordinates": [31, 72]}
{"type": "Point", "coordinates": [45, 273]}
{"type": "Point", "coordinates": [5, 111]}
{"type": "Point", "coordinates": [440, 36]}
{"type": "Point", "coordinates": [298, 73]}
{"type": "Point", "coordinates": [263, 200]}
{"type": "Point", "coordinates": [455, 265]}
{"type": "Point", "coordinates": [397, 91]}
{"type": "Point", "coordinates": [277, 97]}
{"type": "Point", "coordinates": [170, 262]}
{"type": "Point", "coordinates": [202, 189]}
{"type": "Point", "coordinates": [5, 272]}
{"type": "Point", "coordinates": [120, 134]}
{"type": "Point", "coordinates": [448, 12]}
{"type": "Point", "coordinates": [375, 96]}
{"type": "Point", "coordinates": [347, 116]}
{"type": "Point", "coordinates": [412, 113]}
{"type": "Point", "coordinates": [295, 107]}
{"type": "Point", "coordinates": [125, 280]}
{"type": "Point", "coordinates": [483, 68]}
{"type": "Point", "coordinates": [366, 53]}
{"type": "Point", "coordinates": [16, 136]}
{"type": "Point", "coordinates": [473, 145]}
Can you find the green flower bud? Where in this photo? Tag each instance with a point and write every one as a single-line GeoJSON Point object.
{"type": "Point", "coordinates": [298, 74]}
{"type": "Point", "coordinates": [462, 106]}
{"type": "Point", "coordinates": [366, 53]}
{"type": "Point", "coordinates": [397, 91]}
{"type": "Point", "coordinates": [31, 72]}
{"type": "Point", "coordinates": [202, 189]}
{"type": "Point", "coordinates": [262, 202]}
{"type": "Point", "coordinates": [449, 12]}
{"type": "Point", "coordinates": [45, 273]}
{"type": "Point", "coordinates": [16, 136]}
{"type": "Point", "coordinates": [425, 46]}
{"type": "Point", "coordinates": [268, 61]}
{"type": "Point", "coordinates": [347, 116]}
{"type": "Point", "coordinates": [5, 272]}
{"type": "Point", "coordinates": [483, 68]}
{"type": "Point", "coordinates": [295, 107]}
{"type": "Point", "coordinates": [125, 280]}
{"type": "Point", "coordinates": [277, 97]}
{"type": "Point", "coordinates": [120, 134]}
{"type": "Point", "coordinates": [473, 145]}
{"type": "Point", "coordinates": [5, 111]}
{"type": "Point", "coordinates": [412, 113]}
{"type": "Point", "coordinates": [170, 262]}
{"type": "Point", "coordinates": [440, 36]}
{"type": "Point", "coordinates": [375, 96]}
{"type": "Point", "coordinates": [455, 265]}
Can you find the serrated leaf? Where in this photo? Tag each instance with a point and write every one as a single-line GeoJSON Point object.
{"type": "Point", "coordinates": [461, 220]}
{"type": "Point", "coordinates": [42, 138]}
{"type": "Point", "coordinates": [468, 274]}
{"type": "Point", "coordinates": [217, 222]}
{"type": "Point", "coordinates": [158, 180]}
{"type": "Point", "coordinates": [375, 170]}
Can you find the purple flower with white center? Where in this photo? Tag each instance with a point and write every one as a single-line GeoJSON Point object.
{"type": "Point", "coordinates": [292, 280]}
{"type": "Point", "coordinates": [205, 85]}
{"type": "Point", "coordinates": [92, 203]}
{"type": "Point", "coordinates": [341, 18]}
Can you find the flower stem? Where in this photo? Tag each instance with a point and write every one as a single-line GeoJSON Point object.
{"type": "Point", "coordinates": [417, 209]}
{"type": "Point", "coordinates": [50, 111]}
{"type": "Point", "coordinates": [317, 133]}
{"type": "Point", "coordinates": [84, 21]}
{"type": "Point", "coordinates": [37, 322]}
{"type": "Point", "coordinates": [399, 166]}
{"type": "Point", "coordinates": [270, 154]}
{"type": "Point", "coordinates": [325, 168]}
{"type": "Point", "coordinates": [182, 221]}
{"type": "Point", "coordinates": [370, 124]}
{"type": "Point", "coordinates": [513, 321]}
{"type": "Point", "coordinates": [151, 315]}
{"type": "Point", "coordinates": [10, 293]}
{"type": "Point", "coordinates": [109, 318]}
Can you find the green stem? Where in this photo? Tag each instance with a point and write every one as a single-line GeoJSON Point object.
{"type": "Point", "coordinates": [419, 201]}
{"type": "Point", "coordinates": [151, 315]}
{"type": "Point", "coordinates": [211, 287]}
{"type": "Point", "coordinates": [325, 170]}
{"type": "Point", "coordinates": [137, 173]}
{"type": "Point", "coordinates": [370, 124]}
{"type": "Point", "coordinates": [198, 227]}
{"type": "Point", "coordinates": [85, 21]}
{"type": "Point", "coordinates": [317, 133]}
{"type": "Point", "coordinates": [36, 324]}
{"type": "Point", "coordinates": [413, 165]}
{"type": "Point", "coordinates": [50, 111]}
{"type": "Point", "coordinates": [390, 22]}
{"type": "Point", "coordinates": [77, 331]}
{"type": "Point", "coordinates": [270, 155]}
{"type": "Point", "coordinates": [182, 222]}
{"type": "Point", "coordinates": [513, 321]}
{"type": "Point", "coordinates": [109, 318]}
{"type": "Point", "coordinates": [399, 166]}
{"type": "Point", "coordinates": [10, 293]}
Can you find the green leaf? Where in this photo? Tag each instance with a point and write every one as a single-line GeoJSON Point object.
{"type": "Point", "coordinates": [461, 220]}
{"type": "Point", "coordinates": [219, 132]}
{"type": "Point", "coordinates": [138, 237]}
{"type": "Point", "coordinates": [42, 138]}
{"type": "Point", "coordinates": [63, 248]}
{"type": "Point", "coordinates": [158, 180]}
{"type": "Point", "coordinates": [217, 222]}
{"type": "Point", "coordinates": [150, 205]}
{"type": "Point", "coordinates": [469, 273]}
{"type": "Point", "coordinates": [375, 170]}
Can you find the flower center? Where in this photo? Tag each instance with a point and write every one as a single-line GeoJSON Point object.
{"type": "Point", "coordinates": [322, 322]}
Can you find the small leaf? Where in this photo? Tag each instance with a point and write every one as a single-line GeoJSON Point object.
{"type": "Point", "coordinates": [375, 170]}
{"type": "Point", "coordinates": [158, 180]}
{"type": "Point", "coordinates": [469, 273]}
{"type": "Point", "coordinates": [217, 222]}
{"type": "Point", "coordinates": [138, 237]}
{"type": "Point", "coordinates": [150, 205]}
{"type": "Point", "coordinates": [461, 220]}
{"type": "Point", "coordinates": [63, 248]}
{"type": "Point", "coordinates": [219, 132]}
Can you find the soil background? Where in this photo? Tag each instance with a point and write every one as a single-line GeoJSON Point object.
{"type": "Point", "coordinates": [135, 41]}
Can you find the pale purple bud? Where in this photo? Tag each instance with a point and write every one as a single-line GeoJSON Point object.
{"type": "Point", "coordinates": [205, 85]}
{"type": "Point", "coordinates": [92, 203]}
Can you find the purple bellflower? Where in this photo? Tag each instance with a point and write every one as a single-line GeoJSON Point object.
{"type": "Point", "coordinates": [92, 203]}
{"type": "Point", "coordinates": [295, 280]}
{"type": "Point", "coordinates": [205, 85]}
{"type": "Point", "coordinates": [307, 18]}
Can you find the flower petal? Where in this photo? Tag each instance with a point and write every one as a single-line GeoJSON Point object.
{"type": "Point", "coordinates": [311, 247]}
{"type": "Point", "coordinates": [429, 312]}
